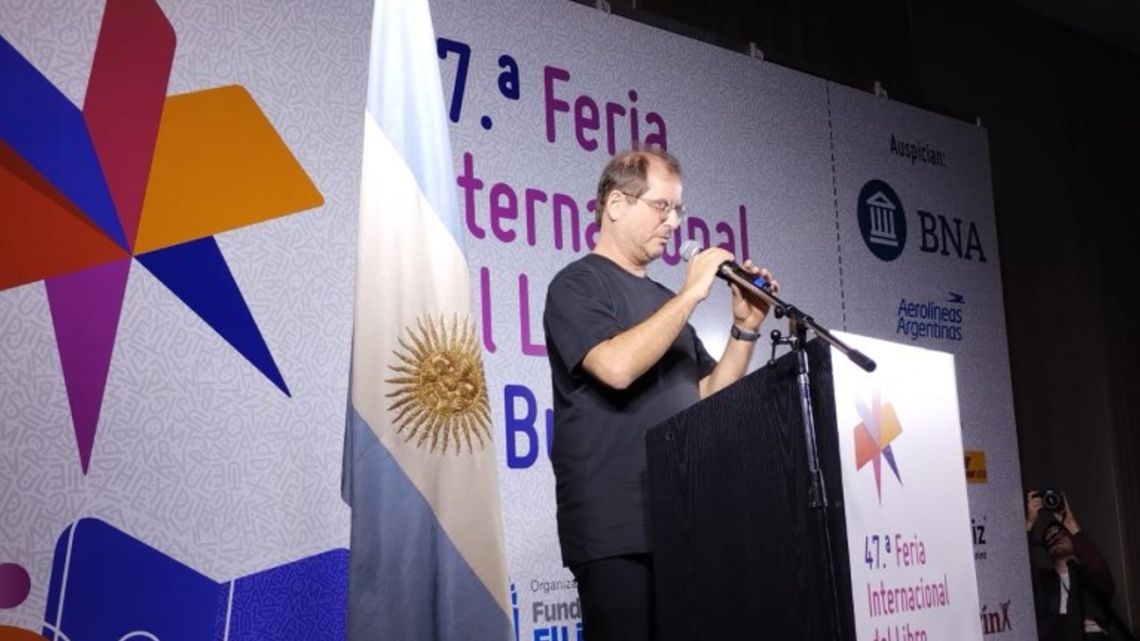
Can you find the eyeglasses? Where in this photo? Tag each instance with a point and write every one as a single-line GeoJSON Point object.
{"type": "Point", "coordinates": [662, 207]}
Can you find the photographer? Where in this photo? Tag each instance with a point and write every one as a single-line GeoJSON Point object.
{"type": "Point", "coordinates": [1072, 587]}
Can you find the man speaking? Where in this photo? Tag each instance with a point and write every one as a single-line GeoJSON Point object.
{"type": "Point", "coordinates": [623, 358]}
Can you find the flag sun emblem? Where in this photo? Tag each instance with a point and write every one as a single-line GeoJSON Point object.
{"type": "Point", "coordinates": [441, 394]}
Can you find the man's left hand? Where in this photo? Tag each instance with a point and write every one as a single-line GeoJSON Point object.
{"type": "Point", "coordinates": [748, 311]}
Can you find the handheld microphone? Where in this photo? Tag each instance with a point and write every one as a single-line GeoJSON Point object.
{"type": "Point", "coordinates": [759, 286]}
{"type": "Point", "coordinates": [691, 247]}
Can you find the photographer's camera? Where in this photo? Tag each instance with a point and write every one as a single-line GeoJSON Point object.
{"type": "Point", "coordinates": [1053, 501]}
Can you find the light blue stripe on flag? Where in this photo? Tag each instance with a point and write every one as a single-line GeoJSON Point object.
{"type": "Point", "coordinates": [437, 595]}
{"type": "Point", "coordinates": [406, 99]}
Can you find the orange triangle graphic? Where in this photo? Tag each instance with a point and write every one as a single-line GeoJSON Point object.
{"type": "Point", "coordinates": [42, 234]}
{"type": "Point", "coordinates": [218, 165]}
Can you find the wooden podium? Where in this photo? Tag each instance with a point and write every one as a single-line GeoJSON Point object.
{"type": "Point", "coordinates": [739, 554]}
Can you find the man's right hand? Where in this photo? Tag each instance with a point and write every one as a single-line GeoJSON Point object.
{"type": "Point", "coordinates": [622, 359]}
{"type": "Point", "coordinates": [701, 270]}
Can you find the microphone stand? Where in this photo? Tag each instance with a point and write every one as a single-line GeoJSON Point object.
{"type": "Point", "coordinates": [798, 325]}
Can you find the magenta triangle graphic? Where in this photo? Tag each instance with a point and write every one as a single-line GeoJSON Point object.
{"type": "Point", "coordinates": [85, 307]}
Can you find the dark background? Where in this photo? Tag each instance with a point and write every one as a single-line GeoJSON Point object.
{"type": "Point", "coordinates": [1054, 84]}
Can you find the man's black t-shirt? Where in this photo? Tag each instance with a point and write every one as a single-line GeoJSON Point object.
{"type": "Point", "coordinates": [598, 451]}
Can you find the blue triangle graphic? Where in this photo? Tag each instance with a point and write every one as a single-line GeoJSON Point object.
{"type": "Point", "coordinates": [197, 273]}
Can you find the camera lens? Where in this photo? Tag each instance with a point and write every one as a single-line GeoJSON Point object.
{"type": "Point", "coordinates": [1051, 500]}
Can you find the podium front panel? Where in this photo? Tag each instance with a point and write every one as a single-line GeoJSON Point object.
{"type": "Point", "coordinates": [738, 551]}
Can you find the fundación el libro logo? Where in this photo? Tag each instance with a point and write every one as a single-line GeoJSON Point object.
{"type": "Point", "coordinates": [882, 221]}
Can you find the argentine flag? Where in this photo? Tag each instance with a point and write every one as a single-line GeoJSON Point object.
{"type": "Point", "coordinates": [426, 551]}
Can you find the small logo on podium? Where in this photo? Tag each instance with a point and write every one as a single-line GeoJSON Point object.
{"type": "Point", "coordinates": [873, 437]}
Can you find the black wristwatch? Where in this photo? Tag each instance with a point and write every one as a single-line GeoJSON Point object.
{"type": "Point", "coordinates": [743, 335]}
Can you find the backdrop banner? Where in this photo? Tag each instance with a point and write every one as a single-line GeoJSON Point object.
{"type": "Point", "coordinates": [179, 189]}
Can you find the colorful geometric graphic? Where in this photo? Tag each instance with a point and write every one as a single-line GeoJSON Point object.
{"type": "Point", "coordinates": [14, 585]}
{"type": "Point", "coordinates": [106, 584]}
{"type": "Point", "coordinates": [873, 438]}
{"type": "Point", "coordinates": [135, 174]}
{"type": "Point", "coordinates": [9, 633]}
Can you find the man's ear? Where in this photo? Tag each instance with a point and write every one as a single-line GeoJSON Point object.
{"type": "Point", "coordinates": [614, 202]}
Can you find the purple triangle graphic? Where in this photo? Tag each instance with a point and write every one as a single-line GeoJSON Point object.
{"type": "Point", "coordinates": [85, 307]}
{"type": "Point", "coordinates": [877, 464]}
{"type": "Point", "coordinates": [890, 456]}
